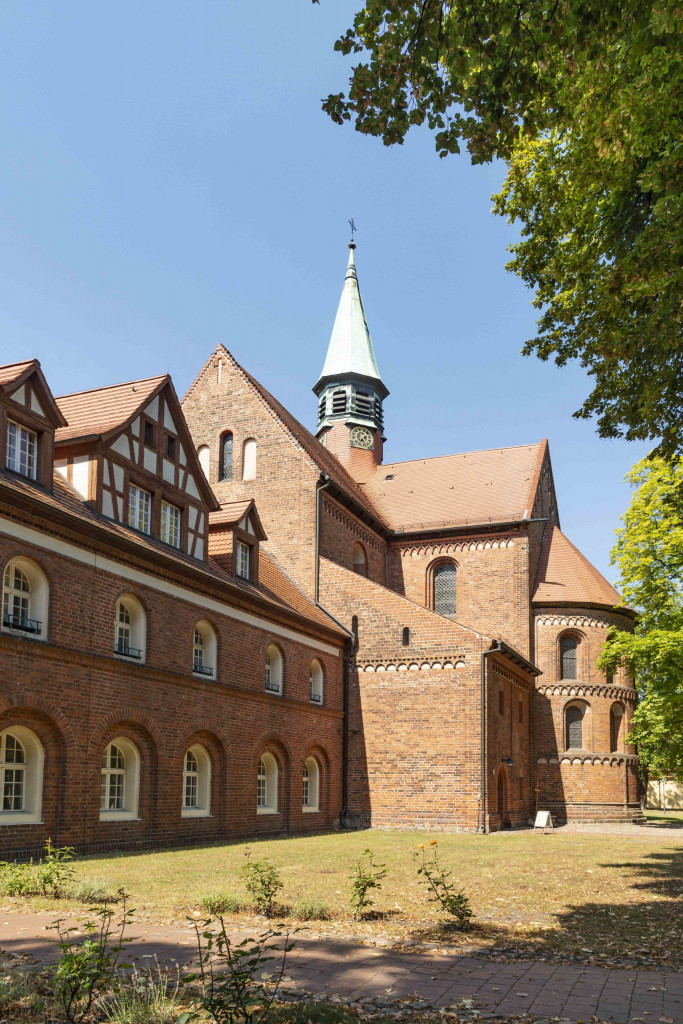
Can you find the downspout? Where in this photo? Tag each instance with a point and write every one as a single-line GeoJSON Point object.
{"type": "Point", "coordinates": [491, 650]}
{"type": "Point", "coordinates": [345, 664]}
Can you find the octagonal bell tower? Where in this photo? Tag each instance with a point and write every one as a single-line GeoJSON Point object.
{"type": "Point", "coordinates": [350, 390]}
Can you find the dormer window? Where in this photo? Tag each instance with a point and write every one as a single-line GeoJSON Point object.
{"type": "Point", "coordinates": [170, 524]}
{"type": "Point", "coordinates": [242, 553]}
{"type": "Point", "coordinates": [22, 450]}
{"type": "Point", "coordinates": [139, 507]}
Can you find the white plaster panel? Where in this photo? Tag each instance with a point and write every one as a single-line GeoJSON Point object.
{"type": "Point", "coordinates": [152, 409]}
{"type": "Point", "coordinates": [60, 466]}
{"type": "Point", "coordinates": [191, 487]}
{"type": "Point", "coordinates": [35, 404]}
{"type": "Point", "coordinates": [168, 419]}
{"type": "Point", "coordinates": [81, 469]}
{"type": "Point", "coordinates": [191, 516]}
{"type": "Point", "coordinates": [183, 456]}
{"type": "Point", "coordinates": [118, 476]}
{"type": "Point", "coordinates": [199, 550]}
{"type": "Point", "coordinates": [105, 472]}
{"type": "Point", "coordinates": [150, 460]}
{"type": "Point", "coordinates": [107, 505]}
{"type": "Point", "coordinates": [136, 450]}
{"type": "Point", "coordinates": [135, 427]}
{"type": "Point", "coordinates": [19, 395]}
{"type": "Point", "coordinates": [168, 471]}
{"type": "Point", "coordinates": [121, 446]}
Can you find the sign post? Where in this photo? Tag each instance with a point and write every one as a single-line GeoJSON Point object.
{"type": "Point", "coordinates": [544, 820]}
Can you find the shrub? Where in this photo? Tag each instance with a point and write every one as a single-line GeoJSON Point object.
{"type": "Point", "coordinates": [147, 997]}
{"type": "Point", "coordinates": [87, 968]}
{"type": "Point", "coordinates": [220, 902]}
{"type": "Point", "coordinates": [366, 875]}
{"type": "Point", "coordinates": [441, 889]}
{"type": "Point", "coordinates": [263, 883]}
{"type": "Point", "coordinates": [89, 890]}
{"type": "Point", "coordinates": [18, 879]}
{"type": "Point", "coordinates": [309, 908]}
{"type": "Point", "coordinates": [54, 873]}
{"type": "Point", "coordinates": [228, 972]}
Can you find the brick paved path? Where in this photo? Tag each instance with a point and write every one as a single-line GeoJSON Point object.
{"type": "Point", "coordinates": [355, 971]}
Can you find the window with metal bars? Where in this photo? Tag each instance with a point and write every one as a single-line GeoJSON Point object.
{"type": "Point", "coordinates": [574, 724]}
{"type": "Point", "coordinates": [225, 461]}
{"type": "Point", "coordinates": [445, 580]}
{"type": "Point", "coordinates": [568, 657]}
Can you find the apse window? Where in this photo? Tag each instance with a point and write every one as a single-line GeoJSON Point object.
{"type": "Point", "coordinates": [569, 646]}
{"type": "Point", "coordinates": [22, 450]}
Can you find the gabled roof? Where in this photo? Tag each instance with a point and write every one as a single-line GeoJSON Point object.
{"type": "Point", "coordinates": [233, 512]}
{"type": "Point", "coordinates": [323, 459]}
{"type": "Point", "coordinates": [13, 375]}
{"type": "Point", "coordinates": [474, 488]}
{"type": "Point", "coordinates": [566, 577]}
{"type": "Point", "coordinates": [350, 350]}
{"type": "Point", "coordinates": [104, 411]}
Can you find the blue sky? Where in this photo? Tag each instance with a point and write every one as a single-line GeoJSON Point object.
{"type": "Point", "coordinates": [169, 181]}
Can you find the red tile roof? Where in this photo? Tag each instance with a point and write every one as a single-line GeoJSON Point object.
{"type": "Point", "coordinates": [457, 490]}
{"type": "Point", "coordinates": [230, 512]}
{"type": "Point", "coordinates": [103, 411]}
{"type": "Point", "coordinates": [13, 371]}
{"type": "Point", "coordinates": [276, 590]}
{"type": "Point", "coordinates": [275, 582]}
{"type": "Point", "coordinates": [565, 576]}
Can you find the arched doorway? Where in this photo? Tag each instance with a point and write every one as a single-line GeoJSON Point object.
{"type": "Point", "coordinates": [503, 798]}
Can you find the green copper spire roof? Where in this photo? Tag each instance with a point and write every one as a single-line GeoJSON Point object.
{"type": "Point", "coordinates": [350, 350]}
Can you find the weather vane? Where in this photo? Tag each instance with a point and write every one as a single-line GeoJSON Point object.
{"type": "Point", "coordinates": [353, 227]}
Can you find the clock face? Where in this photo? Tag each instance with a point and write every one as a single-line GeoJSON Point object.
{"type": "Point", "coordinates": [361, 437]}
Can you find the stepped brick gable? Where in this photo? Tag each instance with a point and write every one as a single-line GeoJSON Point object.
{"type": "Point", "coordinates": [217, 623]}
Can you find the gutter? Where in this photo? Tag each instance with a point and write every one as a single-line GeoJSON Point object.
{"type": "Point", "coordinates": [348, 649]}
{"type": "Point", "coordinates": [495, 648]}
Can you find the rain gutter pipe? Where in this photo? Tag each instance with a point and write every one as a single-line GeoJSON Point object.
{"type": "Point", "coordinates": [346, 658]}
{"type": "Point", "coordinates": [497, 646]}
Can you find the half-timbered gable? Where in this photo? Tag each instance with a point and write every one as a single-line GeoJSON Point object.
{"type": "Point", "coordinates": [28, 419]}
{"type": "Point", "coordinates": [127, 451]}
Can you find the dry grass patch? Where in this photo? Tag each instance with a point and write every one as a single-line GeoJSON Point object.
{"type": "Point", "coordinates": [587, 895]}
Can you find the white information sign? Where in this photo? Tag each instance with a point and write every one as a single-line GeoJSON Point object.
{"type": "Point", "coordinates": [544, 821]}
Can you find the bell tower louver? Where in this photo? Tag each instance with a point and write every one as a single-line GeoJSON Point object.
{"type": "Point", "coordinates": [350, 390]}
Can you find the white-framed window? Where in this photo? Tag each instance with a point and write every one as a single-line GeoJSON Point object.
{"type": "Point", "coordinates": [21, 776]}
{"type": "Point", "coordinates": [242, 558]}
{"type": "Point", "coordinates": [170, 524]}
{"type": "Point", "coordinates": [196, 783]}
{"type": "Point", "coordinates": [119, 780]}
{"type": "Point", "coordinates": [25, 595]}
{"type": "Point", "coordinates": [130, 628]}
{"type": "Point", "coordinates": [204, 650]}
{"type": "Point", "coordinates": [22, 450]}
{"type": "Point", "coordinates": [266, 785]}
{"type": "Point", "coordinates": [139, 508]}
{"type": "Point", "coordinates": [311, 785]}
{"type": "Point", "coordinates": [274, 669]}
{"type": "Point", "coordinates": [316, 682]}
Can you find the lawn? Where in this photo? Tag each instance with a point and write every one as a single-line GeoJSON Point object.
{"type": "Point", "coordinates": [597, 897]}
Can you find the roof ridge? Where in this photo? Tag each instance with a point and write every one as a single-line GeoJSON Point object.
{"type": "Point", "coordinates": [19, 362]}
{"type": "Point", "coordinates": [194, 383]}
{"type": "Point", "coordinates": [111, 387]}
{"type": "Point", "coordinates": [455, 455]}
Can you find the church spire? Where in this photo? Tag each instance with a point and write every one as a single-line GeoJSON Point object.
{"type": "Point", "coordinates": [350, 349]}
{"type": "Point", "coordinates": [350, 388]}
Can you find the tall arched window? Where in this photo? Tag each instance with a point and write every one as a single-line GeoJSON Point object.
{"type": "Point", "coordinates": [445, 578]}
{"type": "Point", "coordinates": [204, 456]}
{"type": "Point", "coordinates": [266, 785]}
{"type": "Point", "coordinates": [196, 783]}
{"type": "Point", "coordinates": [249, 459]}
{"type": "Point", "coordinates": [204, 650]}
{"type": "Point", "coordinates": [120, 780]}
{"type": "Point", "coordinates": [574, 727]}
{"type": "Point", "coordinates": [569, 662]}
{"type": "Point", "coordinates": [616, 718]}
{"type": "Point", "coordinates": [360, 559]}
{"type": "Point", "coordinates": [21, 776]}
{"type": "Point", "coordinates": [130, 628]}
{"type": "Point", "coordinates": [316, 681]}
{"type": "Point", "coordinates": [225, 470]}
{"type": "Point", "coordinates": [311, 785]}
{"type": "Point", "coordinates": [24, 598]}
{"type": "Point", "coordinates": [274, 669]}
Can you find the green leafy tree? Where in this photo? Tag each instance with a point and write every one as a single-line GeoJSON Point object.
{"type": "Point", "coordinates": [649, 553]}
{"type": "Point", "coordinates": [583, 99]}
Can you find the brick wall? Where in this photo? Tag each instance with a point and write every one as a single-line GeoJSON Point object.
{"type": "Point", "coordinates": [76, 696]}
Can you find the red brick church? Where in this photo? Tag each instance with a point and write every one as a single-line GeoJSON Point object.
{"type": "Point", "coordinates": [217, 624]}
